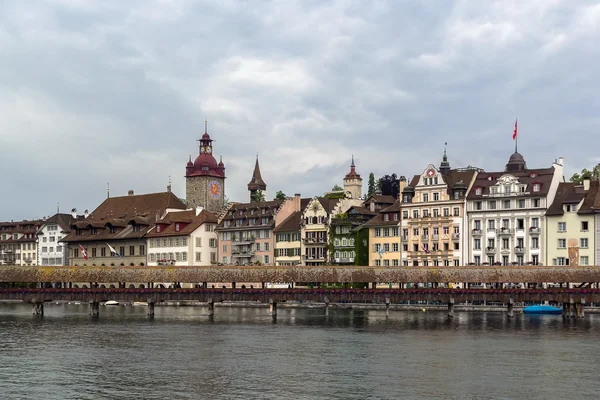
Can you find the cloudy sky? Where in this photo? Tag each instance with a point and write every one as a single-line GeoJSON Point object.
{"type": "Point", "coordinates": [117, 91]}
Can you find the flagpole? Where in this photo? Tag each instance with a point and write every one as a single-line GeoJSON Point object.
{"type": "Point", "coordinates": [517, 136]}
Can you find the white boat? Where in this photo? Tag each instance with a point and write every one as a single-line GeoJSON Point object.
{"type": "Point", "coordinates": [140, 303]}
{"type": "Point", "coordinates": [111, 303]}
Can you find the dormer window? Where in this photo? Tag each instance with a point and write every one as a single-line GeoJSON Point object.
{"type": "Point", "coordinates": [263, 211]}
{"type": "Point", "coordinates": [536, 187]}
{"type": "Point", "coordinates": [478, 191]}
{"type": "Point", "coordinates": [533, 175]}
{"type": "Point", "coordinates": [176, 227]}
{"type": "Point", "coordinates": [157, 228]}
{"type": "Point", "coordinates": [456, 195]}
{"type": "Point", "coordinates": [494, 190]}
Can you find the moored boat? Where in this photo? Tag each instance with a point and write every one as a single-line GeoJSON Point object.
{"type": "Point", "coordinates": [542, 309]}
{"type": "Point", "coordinates": [111, 303]}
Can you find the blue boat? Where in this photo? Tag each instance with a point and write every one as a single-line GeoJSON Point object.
{"type": "Point", "coordinates": [540, 309]}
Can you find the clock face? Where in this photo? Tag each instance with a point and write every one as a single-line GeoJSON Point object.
{"type": "Point", "coordinates": [430, 172]}
{"type": "Point", "coordinates": [201, 149]}
{"type": "Point", "coordinates": [208, 150]}
{"type": "Point", "coordinates": [214, 188]}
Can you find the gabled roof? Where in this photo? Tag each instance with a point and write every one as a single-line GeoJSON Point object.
{"type": "Point", "coordinates": [252, 210]}
{"type": "Point", "coordinates": [64, 221]}
{"type": "Point", "coordinates": [378, 220]}
{"type": "Point", "coordinates": [291, 223]}
{"type": "Point", "coordinates": [573, 193]}
{"type": "Point", "coordinates": [452, 178]}
{"type": "Point", "coordinates": [188, 219]}
{"type": "Point", "coordinates": [328, 204]}
{"type": "Point", "coordinates": [379, 199]}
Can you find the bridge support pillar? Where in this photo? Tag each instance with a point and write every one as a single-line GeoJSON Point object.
{"type": "Point", "coordinates": [38, 308]}
{"type": "Point", "coordinates": [151, 309]}
{"type": "Point", "coordinates": [204, 285]}
{"type": "Point", "coordinates": [326, 300]}
{"type": "Point", "coordinates": [451, 307]}
{"type": "Point", "coordinates": [580, 308]}
{"type": "Point", "coordinates": [273, 307]}
{"type": "Point", "coordinates": [211, 307]}
{"type": "Point", "coordinates": [387, 306]}
{"type": "Point", "coordinates": [511, 308]}
{"type": "Point", "coordinates": [571, 308]}
{"type": "Point", "coordinates": [233, 285]}
{"type": "Point", "coordinates": [94, 308]}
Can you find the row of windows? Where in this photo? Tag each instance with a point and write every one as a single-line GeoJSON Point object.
{"type": "Point", "coordinates": [344, 255]}
{"type": "Point", "coordinates": [105, 251]}
{"type": "Point", "coordinates": [519, 243]}
{"type": "Point", "coordinates": [507, 204]}
{"type": "Point", "coordinates": [518, 223]}
{"type": "Point", "coordinates": [288, 237]}
{"type": "Point", "coordinates": [562, 226]}
{"type": "Point", "coordinates": [426, 263]}
{"type": "Point", "coordinates": [343, 242]}
{"type": "Point", "coordinates": [434, 231]}
{"type": "Point", "coordinates": [434, 247]}
{"type": "Point", "coordinates": [583, 243]}
{"type": "Point", "coordinates": [386, 247]}
{"type": "Point", "coordinates": [251, 247]}
{"type": "Point", "coordinates": [386, 232]}
{"type": "Point", "coordinates": [52, 261]}
{"type": "Point", "coordinates": [246, 235]}
{"type": "Point", "coordinates": [51, 249]}
{"type": "Point", "coordinates": [288, 252]}
{"type": "Point", "coordinates": [51, 239]}
{"type": "Point", "coordinates": [434, 212]}
{"type": "Point", "coordinates": [519, 260]}
{"type": "Point", "coordinates": [583, 260]}
{"type": "Point", "coordinates": [266, 260]}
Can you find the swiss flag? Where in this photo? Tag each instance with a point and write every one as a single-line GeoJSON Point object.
{"type": "Point", "coordinates": [515, 131]}
{"type": "Point", "coordinates": [83, 252]}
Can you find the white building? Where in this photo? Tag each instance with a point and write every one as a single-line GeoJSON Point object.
{"type": "Point", "coordinates": [505, 213]}
{"type": "Point", "coordinates": [51, 232]}
{"type": "Point", "coordinates": [18, 243]}
{"type": "Point", "coordinates": [183, 238]}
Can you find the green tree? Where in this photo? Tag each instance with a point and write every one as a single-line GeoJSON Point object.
{"type": "Point", "coordinates": [371, 190]}
{"type": "Point", "coordinates": [336, 188]}
{"type": "Point", "coordinates": [258, 196]}
{"type": "Point", "coordinates": [585, 173]}
{"type": "Point", "coordinates": [280, 196]}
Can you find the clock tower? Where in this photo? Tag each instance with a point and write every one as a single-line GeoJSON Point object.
{"type": "Point", "coordinates": [205, 178]}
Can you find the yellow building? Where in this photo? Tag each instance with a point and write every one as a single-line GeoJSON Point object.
{"type": "Point", "coordinates": [571, 224]}
{"type": "Point", "coordinates": [288, 246]}
{"type": "Point", "coordinates": [384, 236]}
{"type": "Point", "coordinates": [433, 214]}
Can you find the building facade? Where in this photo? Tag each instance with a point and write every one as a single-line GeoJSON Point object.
{"type": "Point", "coordinates": [384, 235]}
{"type": "Point", "coordinates": [18, 242]}
{"type": "Point", "coordinates": [121, 223]}
{"type": "Point", "coordinates": [571, 225]}
{"type": "Point", "coordinates": [50, 249]}
{"type": "Point", "coordinates": [183, 238]}
{"type": "Point", "coordinates": [433, 214]}
{"type": "Point", "coordinates": [505, 213]}
{"type": "Point", "coordinates": [205, 178]}
{"type": "Point", "coordinates": [344, 239]}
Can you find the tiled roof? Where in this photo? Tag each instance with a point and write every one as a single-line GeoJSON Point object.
{"type": "Point", "coordinates": [573, 193]}
{"type": "Point", "coordinates": [380, 199]}
{"type": "Point", "coordinates": [188, 219]}
{"type": "Point", "coordinates": [378, 220]}
{"type": "Point", "coordinates": [291, 223]}
{"type": "Point", "coordinates": [25, 228]}
{"type": "Point", "coordinates": [453, 177]}
{"type": "Point", "coordinates": [257, 183]}
{"type": "Point", "coordinates": [139, 210]}
{"type": "Point", "coordinates": [485, 180]}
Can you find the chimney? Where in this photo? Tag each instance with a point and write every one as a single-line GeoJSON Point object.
{"type": "Point", "coordinates": [561, 161]}
{"type": "Point", "coordinates": [130, 193]}
{"type": "Point", "coordinates": [586, 183]}
{"type": "Point", "coordinates": [85, 214]}
{"type": "Point", "coordinates": [74, 213]}
{"type": "Point", "coordinates": [297, 202]}
{"type": "Point", "coordinates": [401, 187]}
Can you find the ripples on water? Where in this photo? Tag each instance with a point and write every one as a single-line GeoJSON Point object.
{"type": "Point", "coordinates": [245, 354]}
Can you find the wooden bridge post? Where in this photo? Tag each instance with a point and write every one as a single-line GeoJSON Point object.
{"type": "Point", "coordinates": [511, 306]}
{"type": "Point", "coordinates": [233, 285]}
{"type": "Point", "coordinates": [326, 301]}
{"type": "Point", "coordinates": [580, 309]}
{"type": "Point", "coordinates": [150, 308]}
{"type": "Point", "coordinates": [38, 308]}
{"type": "Point", "coordinates": [273, 307]}
{"type": "Point", "coordinates": [387, 307]}
{"type": "Point", "coordinates": [373, 285]}
{"type": "Point", "coordinates": [94, 308]}
{"type": "Point", "coordinates": [571, 304]}
{"type": "Point", "coordinates": [451, 307]}
{"type": "Point", "coordinates": [211, 307]}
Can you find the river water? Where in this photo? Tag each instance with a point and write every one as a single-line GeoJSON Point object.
{"type": "Point", "coordinates": [242, 353]}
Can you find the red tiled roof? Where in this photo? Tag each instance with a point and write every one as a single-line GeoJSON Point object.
{"type": "Point", "coordinates": [188, 221]}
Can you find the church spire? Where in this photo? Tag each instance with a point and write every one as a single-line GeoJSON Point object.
{"type": "Point", "coordinates": [445, 165]}
{"type": "Point", "coordinates": [256, 183]}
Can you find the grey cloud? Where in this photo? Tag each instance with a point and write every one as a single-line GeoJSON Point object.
{"type": "Point", "coordinates": [93, 92]}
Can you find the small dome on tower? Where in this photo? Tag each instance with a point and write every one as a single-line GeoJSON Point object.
{"type": "Point", "coordinates": [190, 163]}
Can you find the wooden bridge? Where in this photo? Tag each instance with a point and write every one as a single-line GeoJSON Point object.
{"type": "Point", "coordinates": [572, 299]}
{"type": "Point", "coordinates": [297, 274]}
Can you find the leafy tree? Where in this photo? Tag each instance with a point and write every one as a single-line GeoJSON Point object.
{"type": "Point", "coordinates": [280, 195]}
{"type": "Point", "coordinates": [390, 185]}
{"type": "Point", "coordinates": [335, 195]}
{"type": "Point", "coordinates": [371, 190]}
{"type": "Point", "coordinates": [585, 173]}
{"type": "Point", "coordinates": [336, 188]}
{"type": "Point", "coordinates": [258, 196]}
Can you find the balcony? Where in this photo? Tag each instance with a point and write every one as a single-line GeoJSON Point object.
{"type": "Point", "coordinates": [519, 250]}
{"type": "Point", "coordinates": [435, 237]}
{"type": "Point", "coordinates": [490, 250]}
{"type": "Point", "coordinates": [476, 232]}
{"type": "Point", "coordinates": [314, 257]}
{"type": "Point", "coordinates": [491, 230]}
{"type": "Point", "coordinates": [242, 241]}
{"type": "Point", "coordinates": [315, 241]}
{"type": "Point", "coordinates": [242, 254]}
{"type": "Point", "coordinates": [505, 231]}
{"type": "Point", "coordinates": [534, 230]}
{"type": "Point", "coordinates": [344, 260]}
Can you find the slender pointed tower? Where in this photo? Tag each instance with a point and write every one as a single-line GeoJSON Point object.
{"type": "Point", "coordinates": [353, 182]}
{"type": "Point", "coordinates": [256, 183]}
{"type": "Point", "coordinates": [445, 164]}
